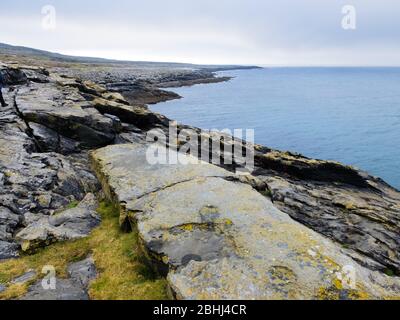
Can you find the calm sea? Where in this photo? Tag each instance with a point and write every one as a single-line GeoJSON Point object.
{"type": "Point", "coordinates": [351, 115]}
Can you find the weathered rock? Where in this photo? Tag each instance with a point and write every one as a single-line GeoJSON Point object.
{"type": "Point", "coordinates": [8, 250]}
{"type": "Point", "coordinates": [65, 290]}
{"type": "Point", "coordinates": [138, 116]}
{"type": "Point", "coordinates": [50, 141]}
{"type": "Point", "coordinates": [26, 277]}
{"type": "Point", "coordinates": [357, 210]}
{"type": "Point", "coordinates": [70, 224]}
{"type": "Point", "coordinates": [35, 178]}
{"type": "Point", "coordinates": [218, 239]}
{"type": "Point", "coordinates": [57, 109]}
{"type": "Point", "coordinates": [74, 288]}
{"type": "Point", "coordinates": [14, 75]}
{"type": "Point", "coordinates": [8, 222]}
{"type": "Point", "coordinates": [125, 168]}
{"type": "Point", "coordinates": [83, 272]}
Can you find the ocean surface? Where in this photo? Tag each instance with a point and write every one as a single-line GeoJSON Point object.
{"type": "Point", "coordinates": [351, 115]}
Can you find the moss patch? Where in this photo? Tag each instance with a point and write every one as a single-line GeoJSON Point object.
{"type": "Point", "coordinates": [121, 273]}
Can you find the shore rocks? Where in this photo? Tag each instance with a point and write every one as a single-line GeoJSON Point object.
{"type": "Point", "coordinates": [70, 224]}
{"type": "Point", "coordinates": [218, 239]}
{"type": "Point", "coordinates": [126, 169]}
{"type": "Point", "coordinates": [34, 183]}
{"type": "Point", "coordinates": [297, 228]}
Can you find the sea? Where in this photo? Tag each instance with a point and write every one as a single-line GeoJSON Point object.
{"type": "Point", "coordinates": [350, 115]}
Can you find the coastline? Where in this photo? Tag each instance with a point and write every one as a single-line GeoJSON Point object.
{"type": "Point", "coordinates": [87, 142]}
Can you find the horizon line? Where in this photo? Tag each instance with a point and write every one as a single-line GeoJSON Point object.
{"type": "Point", "coordinates": [260, 65]}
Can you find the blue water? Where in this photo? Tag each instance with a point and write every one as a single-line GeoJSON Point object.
{"type": "Point", "coordinates": [351, 115]}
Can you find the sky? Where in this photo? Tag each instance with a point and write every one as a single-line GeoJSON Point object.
{"type": "Point", "coordinates": [261, 32]}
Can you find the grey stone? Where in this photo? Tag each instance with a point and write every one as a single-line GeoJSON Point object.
{"type": "Point", "coordinates": [218, 239]}
{"type": "Point", "coordinates": [8, 250]}
{"type": "Point", "coordinates": [359, 211]}
{"type": "Point", "coordinates": [41, 104]}
{"type": "Point", "coordinates": [74, 288]}
{"type": "Point", "coordinates": [65, 290]}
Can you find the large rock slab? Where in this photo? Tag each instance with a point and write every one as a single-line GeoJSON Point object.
{"type": "Point", "coordinates": [218, 239]}
{"type": "Point", "coordinates": [357, 210]}
{"type": "Point", "coordinates": [44, 133]}
{"type": "Point", "coordinates": [125, 172]}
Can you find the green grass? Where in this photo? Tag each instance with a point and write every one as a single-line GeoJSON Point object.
{"type": "Point", "coordinates": [121, 273]}
{"type": "Point", "coordinates": [72, 204]}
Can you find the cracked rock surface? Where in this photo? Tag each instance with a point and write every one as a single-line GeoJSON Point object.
{"type": "Point", "coordinates": [37, 182]}
{"type": "Point", "coordinates": [219, 239]}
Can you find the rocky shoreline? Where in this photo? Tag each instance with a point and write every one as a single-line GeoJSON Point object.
{"type": "Point", "coordinates": [288, 231]}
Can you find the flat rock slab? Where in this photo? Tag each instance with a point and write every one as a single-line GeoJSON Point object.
{"type": "Point", "coordinates": [63, 110]}
{"type": "Point", "coordinates": [126, 169]}
{"type": "Point", "coordinates": [125, 172]}
{"type": "Point", "coordinates": [26, 277]}
{"type": "Point", "coordinates": [218, 239]}
{"type": "Point", "coordinates": [73, 288]}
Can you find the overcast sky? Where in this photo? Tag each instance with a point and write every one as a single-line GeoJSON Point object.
{"type": "Point", "coordinates": [264, 32]}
